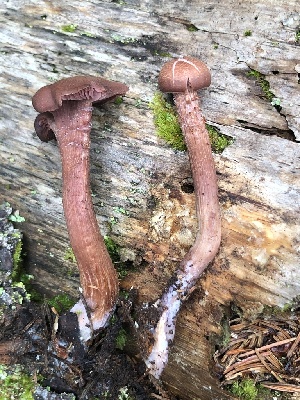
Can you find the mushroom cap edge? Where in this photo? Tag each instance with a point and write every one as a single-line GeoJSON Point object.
{"type": "Point", "coordinates": [96, 89]}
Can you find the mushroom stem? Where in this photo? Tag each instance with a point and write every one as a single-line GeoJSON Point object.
{"type": "Point", "coordinates": [202, 163]}
{"type": "Point", "coordinates": [65, 109]}
{"type": "Point", "coordinates": [208, 237]}
{"type": "Point", "coordinates": [98, 277]}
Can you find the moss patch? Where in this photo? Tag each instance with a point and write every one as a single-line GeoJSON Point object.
{"type": "Point", "coordinates": [113, 250]}
{"type": "Point", "coordinates": [69, 28]}
{"type": "Point", "coordinates": [118, 100]}
{"type": "Point", "coordinates": [17, 261]}
{"type": "Point", "coordinates": [15, 385]}
{"type": "Point", "coordinates": [166, 122]}
{"type": "Point", "coordinates": [247, 389]}
{"type": "Point", "coordinates": [61, 303]}
{"type": "Point", "coordinates": [191, 28]}
{"type": "Point", "coordinates": [263, 83]}
{"type": "Point", "coordinates": [218, 141]}
{"type": "Point", "coordinates": [168, 127]}
{"type": "Point", "coordinates": [20, 278]}
{"type": "Point", "coordinates": [69, 255]}
{"type": "Point", "coordinates": [121, 339]}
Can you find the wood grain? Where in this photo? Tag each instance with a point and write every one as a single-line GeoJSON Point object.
{"type": "Point", "coordinates": [133, 170]}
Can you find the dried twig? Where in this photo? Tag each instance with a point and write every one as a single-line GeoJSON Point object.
{"type": "Point", "coordinates": [264, 349]}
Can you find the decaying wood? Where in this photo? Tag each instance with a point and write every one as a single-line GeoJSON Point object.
{"type": "Point", "coordinates": [138, 182]}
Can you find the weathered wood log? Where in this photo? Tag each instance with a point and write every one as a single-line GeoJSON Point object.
{"type": "Point", "coordinates": [138, 182]}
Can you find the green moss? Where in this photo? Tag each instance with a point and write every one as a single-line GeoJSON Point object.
{"type": "Point", "coordinates": [69, 255]}
{"type": "Point", "coordinates": [120, 210]}
{"type": "Point", "coordinates": [281, 312]}
{"type": "Point", "coordinates": [168, 128]}
{"type": "Point", "coordinates": [124, 294]}
{"type": "Point", "coordinates": [88, 34]}
{"type": "Point", "coordinates": [112, 248]}
{"type": "Point", "coordinates": [17, 261]}
{"type": "Point", "coordinates": [297, 36]}
{"type": "Point", "coordinates": [15, 385]}
{"type": "Point", "coordinates": [19, 296]}
{"type": "Point", "coordinates": [226, 334]}
{"type": "Point", "coordinates": [20, 278]}
{"type": "Point", "coordinates": [122, 271]}
{"type": "Point", "coordinates": [122, 39]}
{"type": "Point", "coordinates": [69, 28]}
{"type": "Point", "coordinates": [191, 28]}
{"type": "Point", "coordinates": [166, 122]}
{"type": "Point", "coordinates": [248, 33]}
{"type": "Point", "coordinates": [246, 389]}
{"type": "Point", "coordinates": [287, 308]}
{"type": "Point", "coordinates": [61, 303]}
{"type": "Point", "coordinates": [121, 339]}
{"type": "Point", "coordinates": [32, 293]}
{"type": "Point", "coordinates": [118, 100]}
{"type": "Point", "coordinates": [218, 141]}
{"type": "Point", "coordinates": [263, 83]}
{"type": "Point", "coordinates": [138, 103]}
{"type": "Point", "coordinates": [162, 53]}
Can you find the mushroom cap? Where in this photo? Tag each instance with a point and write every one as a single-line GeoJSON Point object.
{"type": "Point", "coordinates": [42, 126]}
{"type": "Point", "coordinates": [176, 74]}
{"type": "Point", "coordinates": [95, 89]}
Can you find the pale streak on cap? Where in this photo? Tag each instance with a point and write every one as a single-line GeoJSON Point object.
{"type": "Point", "coordinates": [177, 73]}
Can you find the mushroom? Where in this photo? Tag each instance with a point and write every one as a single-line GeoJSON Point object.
{"type": "Point", "coordinates": [66, 112]}
{"type": "Point", "coordinates": [183, 77]}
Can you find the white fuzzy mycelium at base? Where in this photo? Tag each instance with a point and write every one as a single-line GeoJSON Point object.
{"type": "Point", "coordinates": [165, 329]}
{"type": "Point", "coordinates": [84, 321]}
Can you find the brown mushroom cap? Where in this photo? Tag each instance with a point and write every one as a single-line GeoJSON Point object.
{"type": "Point", "coordinates": [95, 89]}
{"type": "Point", "coordinates": [43, 128]}
{"type": "Point", "coordinates": [176, 74]}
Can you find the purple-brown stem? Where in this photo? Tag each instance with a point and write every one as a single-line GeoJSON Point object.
{"type": "Point", "coordinates": [202, 163]}
{"type": "Point", "coordinates": [208, 236]}
{"type": "Point", "coordinates": [98, 277]}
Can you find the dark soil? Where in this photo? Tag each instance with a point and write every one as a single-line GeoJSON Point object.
{"type": "Point", "coordinates": [37, 338]}
{"type": "Point", "coordinates": [47, 344]}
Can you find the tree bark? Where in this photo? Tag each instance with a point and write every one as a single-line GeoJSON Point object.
{"type": "Point", "coordinates": [138, 182]}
